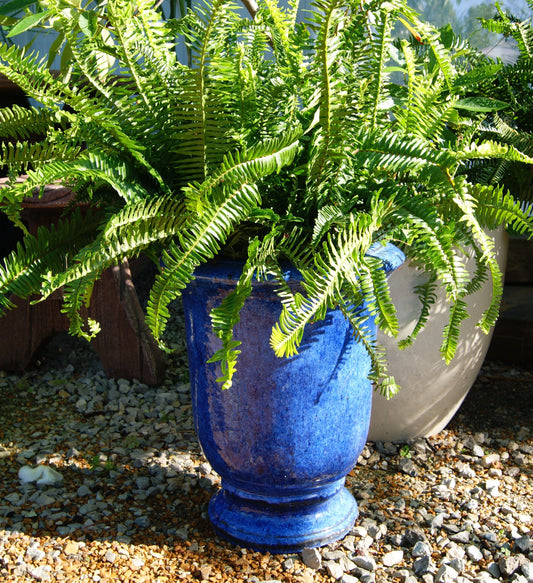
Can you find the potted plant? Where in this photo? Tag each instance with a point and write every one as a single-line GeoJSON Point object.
{"type": "Point", "coordinates": [501, 105]}
{"type": "Point", "coordinates": [287, 148]}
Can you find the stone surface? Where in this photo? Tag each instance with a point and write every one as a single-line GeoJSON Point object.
{"type": "Point", "coordinates": [132, 504]}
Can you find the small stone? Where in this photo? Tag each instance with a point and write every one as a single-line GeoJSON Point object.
{"type": "Point", "coordinates": [348, 579]}
{"type": "Point", "coordinates": [492, 487]}
{"type": "Point", "coordinates": [364, 544]}
{"type": "Point", "coordinates": [333, 555]}
{"type": "Point", "coordinates": [490, 536]}
{"type": "Point", "coordinates": [83, 491]}
{"type": "Point", "coordinates": [347, 564]}
{"type": "Point", "coordinates": [412, 536]}
{"type": "Point", "coordinates": [348, 542]}
{"type": "Point", "coordinates": [142, 521]}
{"type": "Point", "coordinates": [136, 564]}
{"type": "Point", "coordinates": [438, 521]}
{"type": "Point", "coordinates": [288, 564]}
{"type": "Point", "coordinates": [110, 556]}
{"type": "Point", "coordinates": [494, 570]}
{"type": "Point", "coordinates": [34, 553]}
{"type": "Point", "coordinates": [365, 562]}
{"type": "Point", "coordinates": [474, 553]}
{"type": "Point", "coordinates": [490, 460]}
{"type": "Point", "coordinates": [524, 544]}
{"type": "Point", "coordinates": [142, 482]}
{"type": "Point", "coordinates": [359, 531]}
{"type": "Point", "coordinates": [421, 549]}
{"type": "Point", "coordinates": [457, 564]}
{"type": "Point", "coordinates": [407, 466]}
{"type": "Point", "coordinates": [13, 498]}
{"type": "Point", "coordinates": [424, 565]}
{"type": "Point", "coordinates": [472, 505]}
{"type": "Point", "coordinates": [205, 572]}
{"type": "Point", "coordinates": [446, 574]}
{"type": "Point", "coordinates": [44, 500]}
{"type": "Point", "coordinates": [527, 570]}
{"type": "Point", "coordinates": [334, 569]}
{"type": "Point", "coordinates": [465, 471]}
{"type": "Point", "coordinates": [312, 558]}
{"type": "Point", "coordinates": [508, 565]}
{"type": "Point", "coordinates": [392, 558]}
{"type": "Point", "coordinates": [71, 548]}
{"type": "Point", "coordinates": [41, 573]}
{"type": "Point", "coordinates": [462, 537]}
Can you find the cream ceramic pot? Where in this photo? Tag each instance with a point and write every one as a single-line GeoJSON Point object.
{"type": "Point", "coordinates": [431, 390]}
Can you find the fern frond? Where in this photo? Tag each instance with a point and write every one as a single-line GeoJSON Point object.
{"type": "Point", "coordinates": [496, 206]}
{"type": "Point", "coordinates": [466, 203]}
{"type": "Point", "coordinates": [24, 123]}
{"type": "Point", "coordinates": [199, 242]}
{"type": "Point", "coordinates": [426, 295]}
{"type": "Point", "coordinates": [365, 334]}
{"type": "Point", "coordinates": [226, 316]}
{"type": "Point", "coordinates": [458, 313]}
{"type": "Point", "coordinates": [243, 167]}
{"type": "Point", "coordinates": [24, 269]}
{"type": "Point", "coordinates": [21, 156]}
{"type": "Point", "coordinates": [381, 47]}
{"type": "Point", "coordinates": [338, 262]}
{"type": "Point", "coordinates": [126, 234]}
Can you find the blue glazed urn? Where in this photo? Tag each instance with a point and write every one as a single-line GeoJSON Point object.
{"type": "Point", "coordinates": [289, 430]}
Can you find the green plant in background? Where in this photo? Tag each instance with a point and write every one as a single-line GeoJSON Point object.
{"type": "Point", "coordinates": [284, 141]}
{"type": "Point", "coordinates": [513, 125]}
{"type": "Point", "coordinates": [498, 98]}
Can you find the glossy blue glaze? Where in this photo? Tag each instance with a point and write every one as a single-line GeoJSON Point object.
{"type": "Point", "coordinates": [286, 434]}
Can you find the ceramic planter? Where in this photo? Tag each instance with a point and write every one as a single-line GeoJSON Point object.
{"type": "Point", "coordinates": [432, 391]}
{"type": "Point", "coordinates": [286, 434]}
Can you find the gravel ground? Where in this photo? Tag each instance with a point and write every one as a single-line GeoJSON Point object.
{"type": "Point", "coordinates": [131, 504]}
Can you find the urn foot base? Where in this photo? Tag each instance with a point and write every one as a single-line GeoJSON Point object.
{"type": "Point", "coordinates": [284, 527]}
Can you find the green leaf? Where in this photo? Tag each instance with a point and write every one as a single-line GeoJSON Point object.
{"type": "Point", "coordinates": [15, 6]}
{"type": "Point", "coordinates": [88, 23]}
{"type": "Point", "coordinates": [54, 49]}
{"type": "Point", "coordinates": [475, 76]}
{"type": "Point", "coordinates": [28, 22]}
{"type": "Point", "coordinates": [480, 104]}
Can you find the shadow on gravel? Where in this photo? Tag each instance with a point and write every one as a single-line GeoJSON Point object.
{"type": "Point", "coordinates": [104, 496]}
{"type": "Point", "coordinates": [501, 398]}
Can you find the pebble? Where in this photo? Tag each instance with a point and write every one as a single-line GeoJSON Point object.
{"type": "Point", "coordinates": [312, 558]}
{"type": "Point", "coordinates": [334, 569]}
{"type": "Point", "coordinates": [365, 562]}
{"type": "Point", "coordinates": [392, 558]}
{"type": "Point", "coordinates": [474, 553]}
{"type": "Point", "coordinates": [421, 549]}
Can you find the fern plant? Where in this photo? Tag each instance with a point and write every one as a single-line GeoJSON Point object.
{"type": "Point", "coordinates": [283, 141]}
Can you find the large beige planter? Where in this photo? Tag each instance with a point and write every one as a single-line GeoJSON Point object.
{"type": "Point", "coordinates": [431, 391]}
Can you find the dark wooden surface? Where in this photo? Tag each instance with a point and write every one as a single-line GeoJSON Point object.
{"type": "Point", "coordinates": [125, 345]}
{"type": "Point", "coordinates": [512, 341]}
